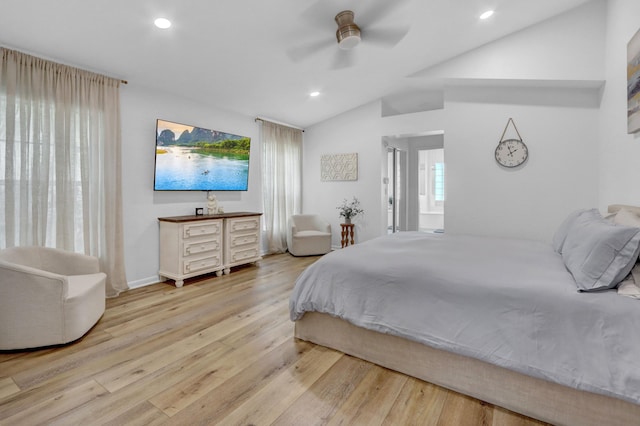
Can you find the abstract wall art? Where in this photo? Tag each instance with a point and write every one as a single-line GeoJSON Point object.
{"type": "Point", "coordinates": [337, 167]}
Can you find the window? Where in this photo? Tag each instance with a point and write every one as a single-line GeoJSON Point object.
{"type": "Point", "coordinates": [60, 161]}
{"type": "Point", "coordinates": [438, 181]}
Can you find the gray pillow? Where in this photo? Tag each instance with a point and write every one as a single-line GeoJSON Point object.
{"type": "Point", "coordinates": [563, 229]}
{"type": "Point", "coordinates": [598, 253]}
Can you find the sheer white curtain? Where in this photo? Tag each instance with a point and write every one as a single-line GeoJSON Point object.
{"type": "Point", "coordinates": [281, 181]}
{"type": "Point", "coordinates": [60, 155]}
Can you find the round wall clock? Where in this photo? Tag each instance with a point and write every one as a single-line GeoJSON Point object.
{"type": "Point", "coordinates": [511, 152]}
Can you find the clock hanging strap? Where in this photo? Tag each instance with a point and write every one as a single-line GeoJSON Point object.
{"type": "Point", "coordinates": [507, 126]}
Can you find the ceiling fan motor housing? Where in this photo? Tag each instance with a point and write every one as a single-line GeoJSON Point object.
{"type": "Point", "coordinates": [348, 33]}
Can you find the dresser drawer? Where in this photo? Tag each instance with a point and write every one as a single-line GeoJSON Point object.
{"type": "Point", "coordinates": [244, 224]}
{"type": "Point", "coordinates": [191, 248]}
{"type": "Point", "coordinates": [244, 254]}
{"type": "Point", "coordinates": [196, 265]}
{"type": "Point", "coordinates": [242, 240]}
{"type": "Point", "coordinates": [192, 230]}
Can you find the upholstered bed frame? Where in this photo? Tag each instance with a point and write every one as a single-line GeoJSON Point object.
{"type": "Point", "coordinates": [540, 399]}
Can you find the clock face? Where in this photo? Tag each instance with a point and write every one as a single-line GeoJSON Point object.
{"type": "Point", "coordinates": [511, 153]}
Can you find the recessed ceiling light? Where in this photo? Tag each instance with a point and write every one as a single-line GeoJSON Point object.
{"type": "Point", "coordinates": [314, 94]}
{"type": "Point", "coordinates": [163, 23]}
{"type": "Point", "coordinates": [486, 14]}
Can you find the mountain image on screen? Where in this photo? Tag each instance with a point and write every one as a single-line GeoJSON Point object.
{"type": "Point", "coordinates": [200, 159]}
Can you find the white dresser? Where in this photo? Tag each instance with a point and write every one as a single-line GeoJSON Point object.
{"type": "Point", "coordinates": [198, 245]}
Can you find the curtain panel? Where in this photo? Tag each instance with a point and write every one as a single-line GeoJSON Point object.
{"type": "Point", "coordinates": [281, 181]}
{"type": "Point", "coordinates": [60, 150]}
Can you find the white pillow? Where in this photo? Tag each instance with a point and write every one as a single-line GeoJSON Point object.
{"type": "Point", "coordinates": [629, 288]}
{"type": "Point", "coordinates": [626, 218]}
{"type": "Point", "coordinates": [598, 253]}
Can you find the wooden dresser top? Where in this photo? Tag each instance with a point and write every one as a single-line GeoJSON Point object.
{"type": "Point", "coordinates": [191, 218]}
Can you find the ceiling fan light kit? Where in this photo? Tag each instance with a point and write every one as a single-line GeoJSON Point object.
{"type": "Point", "coordinates": [348, 33]}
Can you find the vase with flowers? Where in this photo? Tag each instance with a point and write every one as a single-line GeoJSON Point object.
{"type": "Point", "coordinates": [349, 210]}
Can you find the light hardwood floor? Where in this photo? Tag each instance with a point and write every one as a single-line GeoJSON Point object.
{"type": "Point", "coordinates": [218, 351]}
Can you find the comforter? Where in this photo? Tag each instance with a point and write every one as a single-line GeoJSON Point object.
{"type": "Point", "coordinates": [508, 302]}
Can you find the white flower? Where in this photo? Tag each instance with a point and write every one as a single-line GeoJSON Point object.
{"type": "Point", "coordinates": [350, 210]}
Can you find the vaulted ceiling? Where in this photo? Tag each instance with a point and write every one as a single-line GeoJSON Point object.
{"type": "Point", "coordinates": [263, 58]}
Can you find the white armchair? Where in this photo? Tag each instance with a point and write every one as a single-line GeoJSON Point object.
{"type": "Point", "coordinates": [48, 296]}
{"type": "Point", "coordinates": [308, 234]}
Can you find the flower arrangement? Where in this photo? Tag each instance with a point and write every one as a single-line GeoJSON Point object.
{"type": "Point", "coordinates": [349, 210]}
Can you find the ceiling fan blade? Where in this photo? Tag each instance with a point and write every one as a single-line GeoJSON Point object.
{"type": "Point", "coordinates": [382, 9]}
{"type": "Point", "coordinates": [384, 37]}
{"type": "Point", "coordinates": [320, 16]}
{"type": "Point", "coordinates": [343, 59]}
{"type": "Point", "coordinates": [304, 51]}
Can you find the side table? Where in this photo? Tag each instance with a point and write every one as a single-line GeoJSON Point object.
{"type": "Point", "coordinates": [347, 233]}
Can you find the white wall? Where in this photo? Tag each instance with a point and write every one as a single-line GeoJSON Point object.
{"type": "Point", "coordinates": [355, 131]}
{"type": "Point", "coordinates": [141, 205]}
{"type": "Point", "coordinates": [536, 76]}
{"type": "Point", "coordinates": [531, 201]}
{"type": "Point", "coordinates": [619, 152]}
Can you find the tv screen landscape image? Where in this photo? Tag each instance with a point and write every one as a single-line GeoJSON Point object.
{"type": "Point", "coordinates": [191, 158]}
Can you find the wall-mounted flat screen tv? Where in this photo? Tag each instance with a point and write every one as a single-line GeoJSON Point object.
{"type": "Point", "coordinates": [191, 158]}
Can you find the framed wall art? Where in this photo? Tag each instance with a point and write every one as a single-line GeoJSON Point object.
{"type": "Point", "coordinates": [337, 167]}
{"type": "Point", "coordinates": [633, 84]}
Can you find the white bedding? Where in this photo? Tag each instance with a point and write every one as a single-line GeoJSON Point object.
{"type": "Point", "coordinates": [508, 302]}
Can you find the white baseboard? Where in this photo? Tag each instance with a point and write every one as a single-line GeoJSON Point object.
{"type": "Point", "coordinates": [143, 282]}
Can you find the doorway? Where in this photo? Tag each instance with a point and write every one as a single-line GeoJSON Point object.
{"type": "Point", "coordinates": [414, 183]}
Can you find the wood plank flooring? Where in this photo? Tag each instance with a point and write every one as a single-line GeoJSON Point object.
{"type": "Point", "coordinates": [218, 351]}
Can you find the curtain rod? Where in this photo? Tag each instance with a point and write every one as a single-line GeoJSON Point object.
{"type": "Point", "coordinates": [278, 122]}
{"type": "Point", "coordinates": [37, 56]}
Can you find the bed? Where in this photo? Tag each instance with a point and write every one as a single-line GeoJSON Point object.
{"type": "Point", "coordinates": [503, 320]}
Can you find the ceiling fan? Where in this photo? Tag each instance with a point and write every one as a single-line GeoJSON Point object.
{"type": "Point", "coordinates": [349, 34]}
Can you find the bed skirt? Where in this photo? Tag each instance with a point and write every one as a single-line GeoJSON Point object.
{"type": "Point", "coordinates": [546, 401]}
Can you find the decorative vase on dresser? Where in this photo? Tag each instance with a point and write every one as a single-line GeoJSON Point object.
{"type": "Point", "coordinates": [198, 245]}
